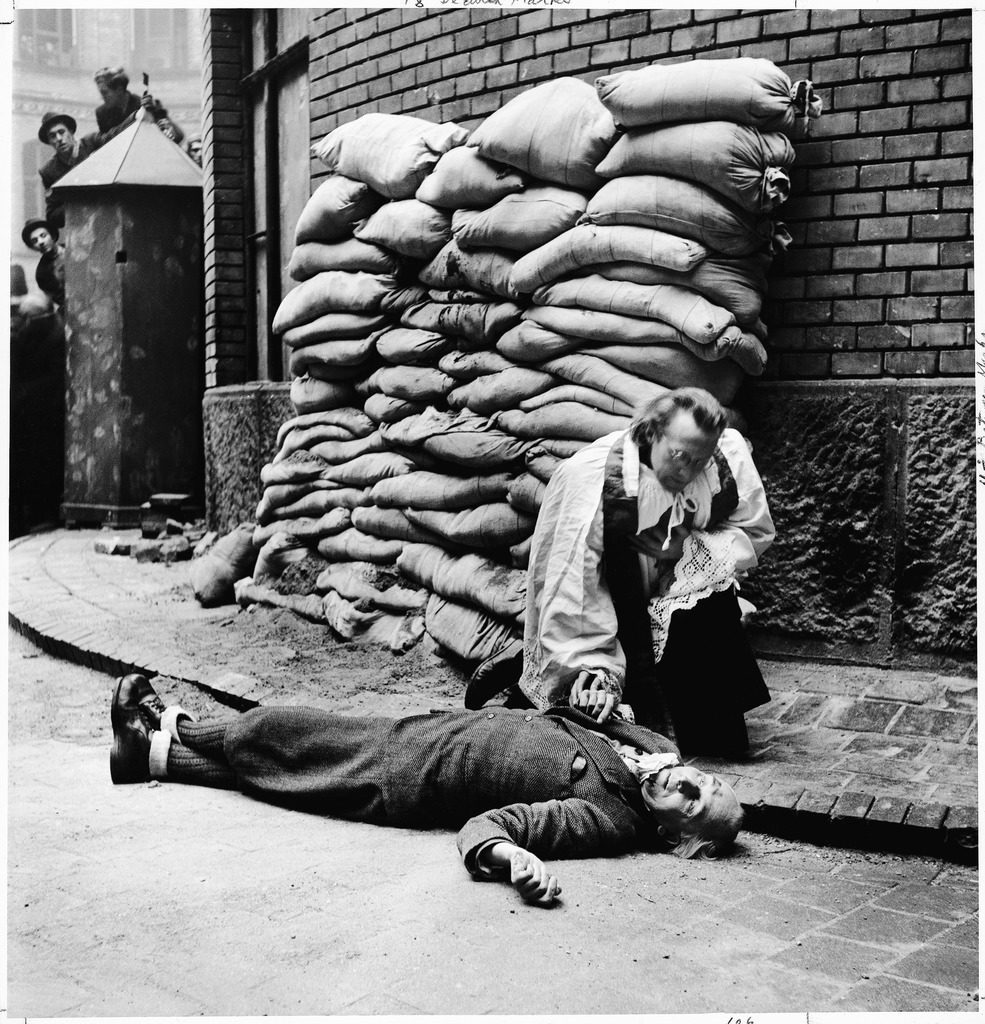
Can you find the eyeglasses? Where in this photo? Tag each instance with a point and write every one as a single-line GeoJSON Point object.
{"type": "Point", "coordinates": [682, 459]}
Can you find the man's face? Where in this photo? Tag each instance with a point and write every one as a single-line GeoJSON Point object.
{"type": "Point", "coordinates": [686, 800]}
{"type": "Point", "coordinates": [114, 98]}
{"type": "Point", "coordinates": [61, 138]}
{"type": "Point", "coordinates": [682, 452]}
{"type": "Point", "coordinates": [40, 240]}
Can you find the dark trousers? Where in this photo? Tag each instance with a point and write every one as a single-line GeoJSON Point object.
{"type": "Point", "coordinates": [709, 676]}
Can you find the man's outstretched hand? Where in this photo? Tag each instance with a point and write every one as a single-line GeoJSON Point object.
{"type": "Point", "coordinates": [528, 874]}
{"type": "Point", "coordinates": [589, 695]}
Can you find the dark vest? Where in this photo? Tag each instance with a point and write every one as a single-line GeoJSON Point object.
{"type": "Point", "coordinates": [625, 583]}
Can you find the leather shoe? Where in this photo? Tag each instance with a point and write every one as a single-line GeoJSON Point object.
{"type": "Point", "coordinates": [135, 713]}
{"type": "Point", "coordinates": [496, 675]}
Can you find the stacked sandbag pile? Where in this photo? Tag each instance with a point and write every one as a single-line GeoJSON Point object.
{"type": "Point", "coordinates": [510, 297]}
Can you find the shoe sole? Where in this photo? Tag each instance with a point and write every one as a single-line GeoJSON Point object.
{"type": "Point", "coordinates": [117, 757]}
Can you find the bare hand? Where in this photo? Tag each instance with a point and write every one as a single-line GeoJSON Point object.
{"type": "Point", "coordinates": [531, 879]}
{"type": "Point", "coordinates": [651, 546]}
{"type": "Point", "coordinates": [589, 694]}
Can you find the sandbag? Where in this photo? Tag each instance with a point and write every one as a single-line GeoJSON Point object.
{"type": "Point", "coordinates": [527, 493]}
{"type": "Point", "coordinates": [354, 622]}
{"type": "Point", "coordinates": [335, 207]}
{"type": "Point", "coordinates": [382, 408]}
{"type": "Point", "coordinates": [562, 419]}
{"type": "Point", "coordinates": [371, 585]}
{"type": "Point", "coordinates": [520, 553]}
{"type": "Point", "coordinates": [353, 545]}
{"type": "Point", "coordinates": [277, 554]}
{"type": "Point", "coordinates": [293, 470]}
{"type": "Point", "coordinates": [351, 422]}
{"type": "Point", "coordinates": [469, 579]}
{"type": "Point", "coordinates": [688, 312]}
{"type": "Point", "coordinates": [305, 528]}
{"type": "Point", "coordinates": [333, 327]}
{"type": "Point", "coordinates": [407, 226]}
{"type": "Point", "coordinates": [335, 452]}
{"type": "Point", "coordinates": [528, 342]}
{"type": "Point", "coordinates": [230, 559]}
{"type": "Point", "coordinates": [405, 345]}
{"type": "Point", "coordinates": [595, 373]}
{"type": "Point", "coordinates": [747, 90]}
{"type": "Point", "coordinates": [455, 295]}
{"type": "Point", "coordinates": [557, 131]}
{"type": "Point", "coordinates": [737, 285]}
{"type": "Point", "coordinates": [493, 525]}
{"type": "Point", "coordinates": [520, 222]}
{"type": "Point", "coordinates": [439, 491]}
{"type": "Point", "coordinates": [466, 632]}
{"type": "Point", "coordinates": [561, 447]}
{"type": "Point", "coordinates": [392, 153]}
{"type": "Point", "coordinates": [591, 243]}
{"type": "Point", "coordinates": [396, 301]}
{"type": "Point", "coordinates": [475, 442]}
{"type": "Point", "coordinates": [496, 391]}
{"type": "Point", "coordinates": [411, 383]}
{"type": "Point", "coordinates": [390, 524]}
{"type": "Point", "coordinates": [461, 177]}
{"type": "Point", "coordinates": [603, 328]}
{"type": "Point", "coordinates": [311, 395]}
{"type": "Point", "coordinates": [307, 606]}
{"type": "Point", "coordinates": [542, 464]}
{"type": "Point", "coordinates": [317, 503]}
{"type": "Point", "coordinates": [338, 359]}
{"type": "Point", "coordinates": [680, 208]}
{"type": "Point", "coordinates": [311, 258]}
{"type": "Point", "coordinates": [743, 165]}
{"type": "Point", "coordinates": [676, 367]}
{"type": "Point", "coordinates": [479, 322]}
{"type": "Point", "coordinates": [740, 346]}
{"type": "Point", "coordinates": [577, 393]}
{"type": "Point", "coordinates": [367, 470]}
{"type": "Point", "coordinates": [486, 270]}
{"type": "Point", "coordinates": [331, 291]}
{"type": "Point", "coordinates": [291, 495]}
{"type": "Point", "coordinates": [467, 366]}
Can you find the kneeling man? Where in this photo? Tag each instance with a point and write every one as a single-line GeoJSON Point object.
{"type": "Point", "coordinates": [518, 785]}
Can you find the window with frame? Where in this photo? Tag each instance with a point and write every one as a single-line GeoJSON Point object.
{"type": "Point", "coordinates": [47, 37]}
{"type": "Point", "coordinates": [160, 39]}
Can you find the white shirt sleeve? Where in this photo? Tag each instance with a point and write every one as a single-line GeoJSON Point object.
{"type": "Point", "coordinates": [750, 522]}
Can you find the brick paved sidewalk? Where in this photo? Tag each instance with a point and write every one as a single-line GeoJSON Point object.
{"type": "Point", "coordinates": [846, 755]}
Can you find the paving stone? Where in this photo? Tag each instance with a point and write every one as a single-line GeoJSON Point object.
{"type": "Point", "coordinates": [964, 935]}
{"type": "Point", "coordinates": [806, 709]}
{"type": "Point", "coordinates": [882, 927]}
{"type": "Point", "coordinates": [895, 995]}
{"type": "Point", "coordinates": [838, 958]}
{"type": "Point", "coordinates": [863, 716]}
{"type": "Point", "coordinates": [944, 725]}
{"type": "Point", "coordinates": [940, 902]}
{"type": "Point", "coordinates": [891, 810]}
{"type": "Point", "coordinates": [925, 815]}
{"type": "Point", "coordinates": [888, 686]}
{"type": "Point", "coordinates": [831, 892]}
{"type": "Point", "coordinates": [949, 966]}
{"type": "Point", "coordinates": [886, 747]}
{"type": "Point", "coordinates": [852, 805]}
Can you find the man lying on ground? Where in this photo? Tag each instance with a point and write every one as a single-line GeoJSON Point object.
{"type": "Point", "coordinates": [519, 786]}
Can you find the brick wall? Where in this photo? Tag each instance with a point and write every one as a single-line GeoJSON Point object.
{"type": "Point", "coordinates": [226, 181]}
{"type": "Point", "coordinates": [877, 281]}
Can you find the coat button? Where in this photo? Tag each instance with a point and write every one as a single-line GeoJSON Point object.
{"type": "Point", "coordinates": [528, 718]}
{"type": "Point", "coordinates": [490, 715]}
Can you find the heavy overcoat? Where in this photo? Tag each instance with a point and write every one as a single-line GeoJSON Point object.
{"type": "Point", "coordinates": [548, 782]}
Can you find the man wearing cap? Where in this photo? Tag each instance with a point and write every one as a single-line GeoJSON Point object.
{"type": "Point", "coordinates": [58, 131]}
{"type": "Point", "coordinates": [42, 236]}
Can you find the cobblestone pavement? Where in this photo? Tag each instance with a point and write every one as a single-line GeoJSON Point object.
{"type": "Point", "coordinates": [164, 900]}
{"type": "Point", "coordinates": [885, 759]}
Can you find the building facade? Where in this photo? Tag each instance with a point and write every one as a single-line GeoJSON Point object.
{"type": "Point", "coordinates": [863, 422]}
{"type": "Point", "coordinates": [56, 52]}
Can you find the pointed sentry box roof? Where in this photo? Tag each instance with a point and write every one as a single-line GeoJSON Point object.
{"type": "Point", "coordinates": [139, 156]}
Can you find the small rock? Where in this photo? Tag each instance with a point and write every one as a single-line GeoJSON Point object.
{"type": "Point", "coordinates": [147, 551]}
{"type": "Point", "coordinates": [176, 549]}
{"type": "Point", "coordinates": [111, 546]}
{"type": "Point", "coordinates": [172, 526]}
